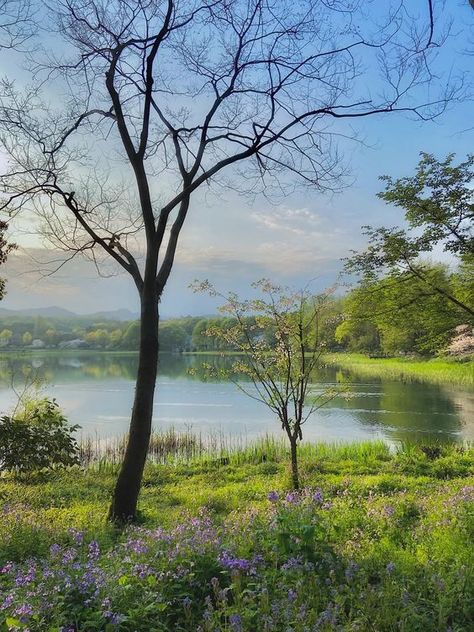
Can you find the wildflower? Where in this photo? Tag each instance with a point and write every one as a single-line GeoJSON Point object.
{"type": "Point", "coordinates": [351, 571]}
{"type": "Point", "coordinates": [273, 497]}
{"type": "Point", "coordinates": [136, 546]}
{"type": "Point", "coordinates": [234, 563]}
{"type": "Point", "coordinates": [54, 550]}
{"type": "Point", "coordinates": [77, 536]}
{"type": "Point", "coordinates": [317, 496]}
{"type": "Point", "coordinates": [292, 498]}
{"type": "Point", "coordinates": [292, 563]}
{"type": "Point", "coordinates": [235, 621]}
{"type": "Point", "coordinates": [390, 567]}
{"type": "Point", "coordinates": [7, 602]}
{"type": "Point", "coordinates": [94, 550]}
{"type": "Point", "coordinates": [389, 510]}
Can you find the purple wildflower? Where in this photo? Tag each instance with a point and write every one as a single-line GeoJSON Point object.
{"type": "Point", "coordinates": [318, 497]}
{"type": "Point", "coordinates": [235, 621]}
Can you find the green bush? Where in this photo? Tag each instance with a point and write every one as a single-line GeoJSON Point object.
{"type": "Point", "coordinates": [37, 437]}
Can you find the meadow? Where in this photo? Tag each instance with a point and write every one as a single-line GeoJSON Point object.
{"type": "Point", "coordinates": [379, 539]}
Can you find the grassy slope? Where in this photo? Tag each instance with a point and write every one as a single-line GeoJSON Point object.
{"type": "Point", "coordinates": [434, 370]}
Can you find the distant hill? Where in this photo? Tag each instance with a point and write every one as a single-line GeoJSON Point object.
{"type": "Point", "coordinates": [60, 312]}
{"type": "Point", "coordinates": [116, 314]}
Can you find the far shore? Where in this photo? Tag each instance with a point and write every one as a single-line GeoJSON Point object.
{"type": "Point", "coordinates": [440, 370]}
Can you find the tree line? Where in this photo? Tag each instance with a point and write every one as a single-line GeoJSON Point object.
{"type": "Point", "coordinates": [391, 315]}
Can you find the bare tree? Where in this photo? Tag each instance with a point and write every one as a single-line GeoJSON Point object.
{"type": "Point", "coordinates": [16, 23]}
{"type": "Point", "coordinates": [157, 98]}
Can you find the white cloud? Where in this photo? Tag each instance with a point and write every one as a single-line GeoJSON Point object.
{"type": "Point", "coordinates": [297, 221]}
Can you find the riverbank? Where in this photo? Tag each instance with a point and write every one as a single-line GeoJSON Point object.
{"type": "Point", "coordinates": [379, 539]}
{"type": "Point", "coordinates": [435, 370]}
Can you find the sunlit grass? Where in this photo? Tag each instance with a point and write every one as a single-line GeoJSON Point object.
{"type": "Point", "coordinates": [438, 370]}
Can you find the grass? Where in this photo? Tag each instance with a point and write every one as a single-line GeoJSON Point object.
{"type": "Point", "coordinates": [386, 545]}
{"type": "Point", "coordinates": [222, 480]}
{"type": "Point", "coordinates": [437, 370]}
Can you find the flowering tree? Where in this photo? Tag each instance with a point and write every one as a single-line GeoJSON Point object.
{"type": "Point", "coordinates": [150, 100]}
{"type": "Point", "coordinates": [277, 338]}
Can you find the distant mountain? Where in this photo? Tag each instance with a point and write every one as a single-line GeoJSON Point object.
{"type": "Point", "coordinates": [60, 312]}
{"type": "Point", "coordinates": [47, 312]}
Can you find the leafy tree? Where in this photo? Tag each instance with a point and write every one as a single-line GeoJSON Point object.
{"type": "Point", "coordinates": [98, 337]}
{"type": "Point", "coordinates": [140, 77]}
{"type": "Point", "coordinates": [439, 209]}
{"type": "Point", "coordinates": [199, 340]}
{"type": "Point", "coordinates": [402, 312]}
{"type": "Point", "coordinates": [5, 336]}
{"type": "Point", "coordinates": [173, 336]}
{"type": "Point", "coordinates": [279, 373]}
{"type": "Point", "coordinates": [356, 333]}
{"type": "Point", "coordinates": [116, 337]}
{"type": "Point", "coordinates": [27, 338]}
{"type": "Point", "coordinates": [131, 337]}
{"type": "Point", "coordinates": [51, 336]}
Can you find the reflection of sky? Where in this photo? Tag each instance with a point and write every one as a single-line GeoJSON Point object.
{"type": "Point", "coordinates": [96, 392]}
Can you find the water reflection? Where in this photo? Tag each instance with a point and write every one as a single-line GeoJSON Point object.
{"type": "Point", "coordinates": [96, 390]}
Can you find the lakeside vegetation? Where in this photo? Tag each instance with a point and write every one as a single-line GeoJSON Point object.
{"type": "Point", "coordinates": [437, 370]}
{"type": "Point", "coordinates": [378, 539]}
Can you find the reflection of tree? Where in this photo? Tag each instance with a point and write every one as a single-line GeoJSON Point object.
{"type": "Point", "coordinates": [53, 368]}
{"type": "Point", "coordinates": [409, 411]}
{"type": "Point", "coordinates": [463, 402]}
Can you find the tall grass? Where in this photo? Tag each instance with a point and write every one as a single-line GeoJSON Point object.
{"type": "Point", "coordinates": [437, 370]}
{"type": "Point", "coordinates": [172, 447]}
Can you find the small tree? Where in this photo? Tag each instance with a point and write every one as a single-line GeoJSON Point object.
{"type": "Point", "coordinates": [278, 368]}
{"type": "Point", "coordinates": [27, 338]}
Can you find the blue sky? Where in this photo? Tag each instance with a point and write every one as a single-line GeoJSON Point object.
{"type": "Point", "coordinates": [233, 242]}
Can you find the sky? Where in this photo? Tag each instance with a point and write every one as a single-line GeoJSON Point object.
{"type": "Point", "coordinates": [233, 241]}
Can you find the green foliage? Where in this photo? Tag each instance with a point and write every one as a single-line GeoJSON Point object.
{"type": "Point", "coordinates": [37, 437]}
{"type": "Point", "coordinates": [377, 540]}
{"type": "Point", "coordinates": [173, 336]}
{"type": "Point", "coordinates": [399, 313]}
{"type": "Point", "coordinates": [416, 305]}
{"type": "Point", "coordinates": [131, 337]}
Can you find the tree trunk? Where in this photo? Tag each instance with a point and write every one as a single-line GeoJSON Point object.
{"type": "Point", "coordinates": [127, 488]}
{"type": "Point", "coordinates": [295, 480]}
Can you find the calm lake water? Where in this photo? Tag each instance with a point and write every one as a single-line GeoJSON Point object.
{"type": "Point", "coordinates": [96, 391]}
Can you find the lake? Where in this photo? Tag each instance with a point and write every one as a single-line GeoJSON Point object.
{"type": "Point", "coordinates": [95, 389]}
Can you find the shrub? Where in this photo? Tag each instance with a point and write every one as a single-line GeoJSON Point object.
{"type": "Point", "coordinates": [37, 437]}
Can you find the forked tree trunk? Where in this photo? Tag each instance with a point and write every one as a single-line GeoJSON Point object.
{"type": "Point", "coordinates": [295, 480]}
{"type": "Point", "coordinates": [124, 502]}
